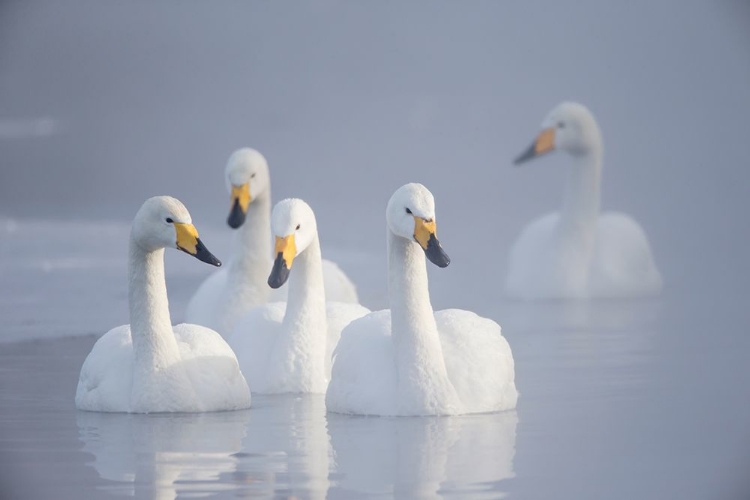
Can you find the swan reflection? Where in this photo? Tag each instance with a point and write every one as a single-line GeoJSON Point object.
{"type": "Point", "coordinates": [420, 457]}
{"type": "Point", "coordinates": [285, 453]}
{"type": "Point", "coordinates": [162, 455]}
{"type": "Point", "coordinates": [286, 447]}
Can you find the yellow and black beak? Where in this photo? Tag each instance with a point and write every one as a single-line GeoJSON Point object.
{"type": "Point", "coordinates": [241, 199]}
{"type": "Point", "coordinates": [189, 242]}
{"type": "Point", "coordinates": [285, 251]}
{"type": "Point", "coordinates": [425, 233]}
{"type": "Point", "coordinates": [544, 143]}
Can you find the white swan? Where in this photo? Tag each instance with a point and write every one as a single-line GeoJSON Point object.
{"type": "Point", "coordinates": [286, 347]}
{"type": "Point", "coordinates": [578, 252]}
{"type": "Point", "coordinates": [231, 292]}
{"type": "Point", "coordinates": [409, 360]}
{"type": "Point", "coordinates": [149, 366]}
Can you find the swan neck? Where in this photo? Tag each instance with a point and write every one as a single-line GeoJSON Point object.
{"type": "Point", "coordinates": [154, 344]}
{"type": "Point", "coordinates": [306, 302]}
{"type": "Point", "coordinates": [251, 258]}
{"type": "Point", "coordinates": [582, 193]}
{"type": "Point", "coordinates": [304, 329]}
{"type": "Point", "coordinates": [408, 288]}
{"type": "Point", "coordinates": [419, 353]}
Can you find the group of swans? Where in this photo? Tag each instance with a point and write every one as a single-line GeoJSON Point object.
{"type": "Point", "coordinates": [313, 337]}
{"type": "Point", "coordinates": [235, 290]}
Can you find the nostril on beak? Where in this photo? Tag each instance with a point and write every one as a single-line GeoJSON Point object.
{"type": "Point", "coordinates": [428, 220]}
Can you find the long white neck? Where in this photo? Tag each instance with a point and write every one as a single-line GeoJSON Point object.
{"type": "Point", "coordinates": [419, 354]}
{"type": "Point", "coordinates": [251, 261]}
{"type": "Point", "coordinates": [582, 197]}
{"type": "Point", "coordinates": [304, 330]}
{"type": "Point", "coordinates": [154, 344]}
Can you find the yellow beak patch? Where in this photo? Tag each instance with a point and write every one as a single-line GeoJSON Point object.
{"type": "Point", "coordinates": [187, 237]}
{"type": "Point", "coordinates": [545, 141]}
{"type": "Point", "coordinates": [242, 195]}
{"type": "Point", "coordinates": [423, 230]}
{"type": "Point", "coordinates": [287, 248]}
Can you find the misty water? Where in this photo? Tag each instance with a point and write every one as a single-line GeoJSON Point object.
{"type": "Point", "coordinates": [619, 399]}
{"type": "Point", "coordinates": [103, 104]}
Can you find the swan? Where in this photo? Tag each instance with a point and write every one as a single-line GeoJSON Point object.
{"type": "Point", "coordinates": [148, 365]}
{"type": "Point", "coordinates": [286, 347]}
{"type": "Point", "coordinates": [233, 291]}
{"type": "Point", "coordinates": [409, 360]}
{"type": "Point", "coordinates": [579, 252]}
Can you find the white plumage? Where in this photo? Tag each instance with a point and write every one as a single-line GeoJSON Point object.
{"type": "Point", "coordinates": [409, 360]}
{"type": "Point", "coordinates": [233, 291]}
{"type": "Point", "coordinates": [286, 347]}
{"type": "Point", "coordinates": [579, 252]}
{"type": "Point", "coordinates": [148, 365]}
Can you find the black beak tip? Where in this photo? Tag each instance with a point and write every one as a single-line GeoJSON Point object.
{"type": "Point", "coordinates": [525, 156]}
{"type": "Point", "coordinates": [279, 273]}
{"type": "Point", "coordinates": [276, 280]}
{"type": "Point", "coordinates": [236, 216]}
{"type": "Point", "coordinates": [202, 254]}
{"type": "Point", "coordinates": [436, 254]}
{"type": "Point", "coordinates": [442, 260]}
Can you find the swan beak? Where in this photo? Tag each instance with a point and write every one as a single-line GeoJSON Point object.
{"type": "Point", "coordinates": [285, 250]}
{"type": "Point", "coordinates": [189, 242]}
{"type": "Point", "coordinates": [241, 199]}
{"type": "Point", "coordinates": [425, 233]}
{"type": "Point", "coordinates": [544, 143]}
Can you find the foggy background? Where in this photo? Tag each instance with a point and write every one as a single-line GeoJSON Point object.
{"type": "Point", "coordinates": [105, 103]}
{"type": "Point", "coordinates": [349, 100]}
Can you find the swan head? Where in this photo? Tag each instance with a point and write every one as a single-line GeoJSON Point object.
{"type": "Point", "coordinates": [247, 178]}
{"type": "Point", "coordinates": [411, 215]}
{"type": "Point", "coordinates": [164, 222]}
{"type": "Point", "coordinates": [569, 127]}
{"type": "Point", "coordinates": [294, 227]}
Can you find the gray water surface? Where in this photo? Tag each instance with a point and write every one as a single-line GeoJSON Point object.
{"type": "Point", "coordinates": [638, 399]}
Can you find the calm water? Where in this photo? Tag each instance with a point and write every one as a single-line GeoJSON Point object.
{"type": "Point", "coordinates": [107, 103]}
{"type": "Point", "coordinates": [640, 399]}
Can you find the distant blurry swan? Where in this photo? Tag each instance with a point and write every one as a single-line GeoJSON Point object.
{"type": "Point", "coordinates": [409, 360]}
{"type": "Point", "coordinates": [578, 252]}
{"type": "Point", "coordinates": [286, 347]}
{"type": "Point", "coordinates": [149, 366]}
{"type": "Point", "coordinates": [231, 292]}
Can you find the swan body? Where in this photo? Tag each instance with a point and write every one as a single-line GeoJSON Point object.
{"type": "Point", "coordinates": [234, 290]}
{"type": "Point", "coordinates": [410, 360]}
{"type": "Point", "coordinates": [286, 347]}
{"type": "Point", "coordinates": [579, 252]}
{"type": "Point", "coordinates": [148, 365]}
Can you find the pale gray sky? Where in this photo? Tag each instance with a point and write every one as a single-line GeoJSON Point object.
{"type": "Point", "coordinates": [348, 100]}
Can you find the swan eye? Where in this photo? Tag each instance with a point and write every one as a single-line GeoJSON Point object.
{"type": "Point", "coordinates": [252, 176]}
{"type": "Point", "coordinates": [298, 225]}
{"type": "Point", "coordinates": [169, 220]}
{"type": "Point", "coordinates": [560, 125]}
{"type": "Point", "coordinates": [408, 211]}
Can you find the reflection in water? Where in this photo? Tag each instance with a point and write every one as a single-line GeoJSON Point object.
{"type": "Point", "coordinates": [422, 457]}
{"type": "Point", "coordinates": [285, 453]}
{"type": "Point", "coordinates": [158, 456]}
{"type": "Point", "coordinates": [280, 449]}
